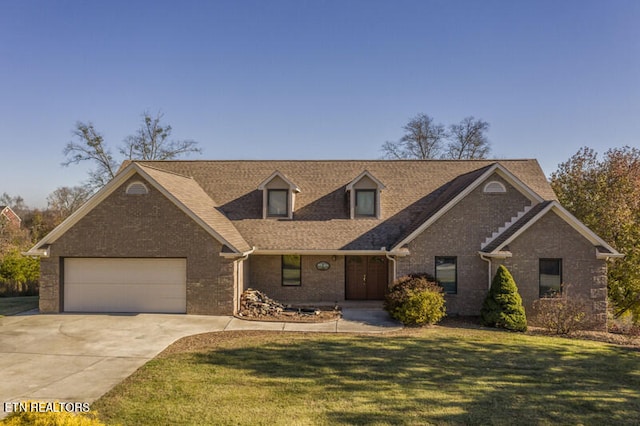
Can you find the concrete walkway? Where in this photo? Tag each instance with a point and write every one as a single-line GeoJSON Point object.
{"type": "Point", "coordinates": [78, 358]}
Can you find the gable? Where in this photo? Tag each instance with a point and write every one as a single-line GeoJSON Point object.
{"type": "Point", "coordinates": [182, 192]}
{"type": "Point", "coordinates": [461, 187]}
{"type": "Point", "coordinates": [540, 213]}
{"type": "Point", "coordinates": [132, 224]}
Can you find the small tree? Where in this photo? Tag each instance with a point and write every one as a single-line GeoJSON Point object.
{"type": "Point", "coordinates": [502, 307]}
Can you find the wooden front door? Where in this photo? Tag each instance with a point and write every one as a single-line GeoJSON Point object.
{"type": "Point", "coordinates": [366, 277]}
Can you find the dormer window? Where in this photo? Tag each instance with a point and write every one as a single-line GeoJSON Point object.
{"type": "Point", "coordinates": [364, 196]}
{"type": "Point", "coordinates": [365, 202]}
{"type": "Point", "coordinates": [277, 202]}
{"type": "Point", "coordinates": [278, 196]}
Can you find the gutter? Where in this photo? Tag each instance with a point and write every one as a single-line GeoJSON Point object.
{"type": "Point", "coordinates": [238, 256]}
{"type": "Point", "coordinates": [304, 252]}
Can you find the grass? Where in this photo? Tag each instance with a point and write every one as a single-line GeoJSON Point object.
{"type": "Point", "coordinates": [437, 375]}
{"type": "Point", "coordinates": [15, 305]}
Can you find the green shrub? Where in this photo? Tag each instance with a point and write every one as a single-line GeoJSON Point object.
{"type": "Point", "coordinates": [18, 275]}
{"type": "Point", "coordinates": [502, 307]}
{"type": "Point", "coordinates": [415, 300]}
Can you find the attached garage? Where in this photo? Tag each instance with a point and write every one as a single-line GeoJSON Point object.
{"type": "Point", "coordinates": [125, 285]}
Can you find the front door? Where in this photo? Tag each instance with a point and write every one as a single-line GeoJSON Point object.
{"type": "Point", "coordinates": [366, 277]}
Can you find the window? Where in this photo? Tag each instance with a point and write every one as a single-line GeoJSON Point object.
{"type": "Point", "coordinates": [447, 273]}
{"type": "Point", "coordinates": [137, 188]}
{"type": "Point", "coordinates": [550, 277]}
{"type": "Point", "coordinates": [277, 205]}
{"type": "Point", "coordinates": [495, 187]}
{"type": "Point", "coordinates": [291, 270]}
{"type": "Point", "coordinates": [365, 202]}
{"type": "Point", "coordinates": [278, 196]}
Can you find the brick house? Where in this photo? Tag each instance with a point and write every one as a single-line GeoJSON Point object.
{"type": "Point", "coordinates": [9, 217]}
{"type": "Point", "coordinates": [190, 236]}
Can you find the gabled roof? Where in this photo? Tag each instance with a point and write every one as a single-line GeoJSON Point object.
{"type": "Point", "coordinates": [183, 191]}
{"type": "Point", "coordinates": [10, 214]}
{"type": "Point", "coordinates": [414, 192]}
{"type": "Point", "coordinates": [457, 190]}
{"type": "Point", "coordinates": [275, 174]}
{"type": "Point", "coordinates": [362, 175]}
{"type": "Point", "coordinates": [603, 250]}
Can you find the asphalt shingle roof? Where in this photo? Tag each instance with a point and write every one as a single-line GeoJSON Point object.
{"type": "Point", "coordinates": [414, 191]}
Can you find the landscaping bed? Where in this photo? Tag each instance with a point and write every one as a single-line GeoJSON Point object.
{"type": "Point", "coordinates": [257, 306]}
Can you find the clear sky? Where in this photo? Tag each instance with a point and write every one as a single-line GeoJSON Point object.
{"type": "Point", "coordinates": [257, 79]}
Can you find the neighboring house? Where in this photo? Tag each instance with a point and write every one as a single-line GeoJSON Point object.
{"type": "Point", "coordinates": [8, 216]}
{"type": "Point", "coordinates": [190, 236]}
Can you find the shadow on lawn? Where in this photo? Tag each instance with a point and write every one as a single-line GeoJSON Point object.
{"type": "Point", "coordinates": [444, 379]}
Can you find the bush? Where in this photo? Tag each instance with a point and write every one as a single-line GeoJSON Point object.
{"type": "Point", "coordinates": [415, 300]}
{"type": "Point", "coordinates": [560, 315]}
{"type": "Point", "coordinates": [18, 275]}
{"type": "Point", "coordinates": [502, 307]}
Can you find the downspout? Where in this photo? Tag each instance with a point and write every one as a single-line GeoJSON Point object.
{"type": "Point", "coordinates": [488, 260]}
{"type": "Point", "coordinates": [237, 262]}
{"type": "Point", "coordinates": [393, 266]}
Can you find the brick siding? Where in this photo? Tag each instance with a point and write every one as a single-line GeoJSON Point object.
{"type": "Point", "coordinates": [145, 226]}
{"type": "Point", "coordinates": [317, 286]}
{"type": "Point", "coordinates": [584, 276]}
{"type": "Point", "coordinates": [460, 233]}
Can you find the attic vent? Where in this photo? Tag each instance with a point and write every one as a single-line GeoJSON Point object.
{"type": "Point", "coordinates": [494, 187]}
{"type": "Point", "coordinates": [137, 188]}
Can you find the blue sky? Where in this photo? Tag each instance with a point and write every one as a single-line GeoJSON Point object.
{"type": "Point", "coordinates": [312, 79]}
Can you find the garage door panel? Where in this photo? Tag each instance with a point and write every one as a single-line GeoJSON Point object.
{"type": "Point", "coordinates": [125, 285]}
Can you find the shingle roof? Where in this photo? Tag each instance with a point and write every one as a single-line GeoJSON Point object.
{"type": "Point", "coordinates": [414, 191]}
{"type": "Point", "coordinates": [191, 195]}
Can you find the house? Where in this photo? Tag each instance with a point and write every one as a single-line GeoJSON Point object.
{"type": "Point", "coordinates": [190, 236]}
{"type": "Point", "coordinates": [8, 216]}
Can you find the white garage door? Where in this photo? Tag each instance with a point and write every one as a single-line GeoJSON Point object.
{"type": "Point", "coordinates": [125, 285]}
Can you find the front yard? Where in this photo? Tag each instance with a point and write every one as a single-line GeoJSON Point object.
{"type": "Point", "coordinates": [439, 375]}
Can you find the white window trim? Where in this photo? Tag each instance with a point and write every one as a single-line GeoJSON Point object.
{"type": "Point", "coordinates": [137, 188]}
{"type": "Point", "coordinates": [494, 187]}
{"type": "Point", "coordinates": [351, 189]}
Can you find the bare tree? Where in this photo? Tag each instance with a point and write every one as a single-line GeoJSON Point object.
{"type": "Point", "coordinates": [66, 200]}
{"type": "Point", "coordinates": [91, 147]}
{"type": "Point", "coordinates": [422, 140]}
{"type": "Point", "coordinates": [467, 140]}
{"type": "Point", "coordinates": [150, 142]}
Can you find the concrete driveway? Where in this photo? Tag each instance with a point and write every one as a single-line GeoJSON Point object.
{"type": "Point", "coordinates": [78, 358]}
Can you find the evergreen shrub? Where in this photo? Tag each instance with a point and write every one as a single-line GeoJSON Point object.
{"type": "Point", "coordinates": [502, 307]}
{"type": "Point", "coordinates": [416, 300]}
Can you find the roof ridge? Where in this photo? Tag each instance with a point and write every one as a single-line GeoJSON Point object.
{"type": "Point", "coordinates": [161, 170]}
{"type": "Point", "coordinates": [344, 160]}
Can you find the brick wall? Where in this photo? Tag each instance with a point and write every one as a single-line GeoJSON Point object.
{"type": "Point", "coordinates": [460, 233]}
{"type": "Point", "coordinates": [265, 274]}
{"type": "Point", "coordinates": [583, 275]}
{"type": "Point", "coordinates": [145, 226]}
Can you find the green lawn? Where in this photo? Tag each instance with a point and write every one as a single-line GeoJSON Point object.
{"type": "Point", "coordinates": [15, 305]}
{"type": "Point", "coordinates": [438, 375]}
